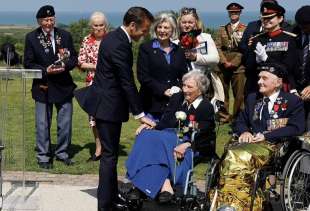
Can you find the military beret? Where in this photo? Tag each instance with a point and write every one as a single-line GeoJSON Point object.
{"type": "Point", "coordinates": [274, 68]}
{"type": "Point", "coordinates": [45, 11]}
{"type": "Point", "coordinates": [269, 9]}
{"type": "Point", "coordinates": [302, 16]}
{"type": "Point", "coordinates": [234, 7]}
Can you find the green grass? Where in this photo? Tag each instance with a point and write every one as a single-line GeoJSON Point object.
{"type": "Point", "coordinates": [82, 139]}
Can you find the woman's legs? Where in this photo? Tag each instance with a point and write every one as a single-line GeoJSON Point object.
{"type": "Point", "coordinates": [97, 140]}
{"type": "Point", "coordinates": [167, 187]}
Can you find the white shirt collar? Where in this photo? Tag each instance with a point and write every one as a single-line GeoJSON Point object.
{"type": "Point", "coordinates": [273, 97]}
{"type": "Point", "coordinates": [128, 36]}
{"type": "Point", "coordinates": [196, 102]}
{"type": "Point", "coordinates": [234, 25]}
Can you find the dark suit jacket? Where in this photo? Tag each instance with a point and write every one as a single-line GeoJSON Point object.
{"type": "Point", "coordinates": [60, 86]}
{"type": "Point", "coordinates": [299, 45]}
{"type": "Point", "coordinates": [113, 90]}
{"type": "Point", "coordinates": [246, 121]}
{"type": "Point", "coordinates": [156, 75]}
{"type": "Point", "coordinates": [204, 115]}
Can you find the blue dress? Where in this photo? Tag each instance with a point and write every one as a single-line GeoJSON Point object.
{"type": "Point", "coordinates": [151, 161]}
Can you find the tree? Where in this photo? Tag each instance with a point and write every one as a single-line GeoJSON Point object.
{"type": "Point", "coordinates": [78, 31]}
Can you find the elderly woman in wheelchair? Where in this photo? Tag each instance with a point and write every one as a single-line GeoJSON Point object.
{"type": "Point", "coordinates": [162, 156]}
{"type": "Point", "coordinates": [269, 116]}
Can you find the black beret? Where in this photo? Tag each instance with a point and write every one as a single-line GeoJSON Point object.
{"type": "Point", "coordinates": [234, 7]}
{"type": "Point", "coordinates": [274, 68]}
{"type": "Point", "coordinates": [45, 11]}
{"type": "Point", "coordinates": [302, 16]}
{"type": "Point", "coordinates": [269, 9]}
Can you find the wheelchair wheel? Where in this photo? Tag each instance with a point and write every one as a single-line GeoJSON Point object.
{"type": "Point", "coordinates": [284, 179]}
{"type": "Point", "coordinates": [296, 192]}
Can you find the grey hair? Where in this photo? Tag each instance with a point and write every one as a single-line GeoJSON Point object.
{"type": "Point", "coordinates": [165, 17]}
{"type": "Point", "coordinates": [201, 79]}
{"type": "Point", "coordinates": [98, 14]}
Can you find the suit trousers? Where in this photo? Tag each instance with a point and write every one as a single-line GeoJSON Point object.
{"type": "Point", "coordinates": [44, 112]}
{"type": "Point", "coordinates": [109, 133]}
{"type": "Point", "coordinates": [237, 82]}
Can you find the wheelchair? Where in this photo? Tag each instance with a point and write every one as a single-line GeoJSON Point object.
{"type": "Point", "coordinates": [290, 165]}
{"type": "Point", "coordinates": [187, 198]}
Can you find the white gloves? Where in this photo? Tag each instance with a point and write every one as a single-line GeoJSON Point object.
{"type": "Point", "coordinates": [174, 90]}
{"type": "Point", "coordinates": [261, 55]}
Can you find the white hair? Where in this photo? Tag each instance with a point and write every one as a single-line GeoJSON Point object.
{"type": "Point", "coordinates": [200, 78]}
{"type": "Point", "coordinates": [100, 15]}
{"type": "Point", "coordinates": [165, 17]}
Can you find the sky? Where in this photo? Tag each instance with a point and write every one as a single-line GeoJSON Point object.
{"type": "Point", "coordinates": [152, 5]}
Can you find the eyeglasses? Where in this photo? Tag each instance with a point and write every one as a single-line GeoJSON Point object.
{"type": "Point", "coordinates": [188, 10]}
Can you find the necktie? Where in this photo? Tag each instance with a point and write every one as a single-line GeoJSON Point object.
{"type": "Point", "coordinates": [48, 35]}
{"type": "Point", "coordinates": [305, 54]}
{"type": "Point", "coordinates": [265, 114]}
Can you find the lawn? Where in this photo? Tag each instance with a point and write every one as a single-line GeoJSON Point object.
{"type": "Point", "coordinates": [82, 140]}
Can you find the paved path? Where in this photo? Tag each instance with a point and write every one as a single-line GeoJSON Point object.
{"type": "Point", "coordinates": [58, 192]}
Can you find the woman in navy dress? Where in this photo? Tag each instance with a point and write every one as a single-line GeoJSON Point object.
{"type": "Point", "coordinates": [151, 164]}
{"type": "Point", "coordinates": [160, 66]}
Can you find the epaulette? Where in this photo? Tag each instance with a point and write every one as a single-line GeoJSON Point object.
{"type": "Point", "coordinates": [242, 24]}
{"type": "Point", "coordinates": [290, 33]}
{"type": "Point", "coordinates": [262, 33]}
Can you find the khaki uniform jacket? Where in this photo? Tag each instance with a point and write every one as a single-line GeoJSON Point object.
{"type": "Point", "coordinates": [227, 42]}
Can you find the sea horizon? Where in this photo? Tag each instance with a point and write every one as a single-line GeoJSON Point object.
{"type": "Point", "coordinates": [210, 19]}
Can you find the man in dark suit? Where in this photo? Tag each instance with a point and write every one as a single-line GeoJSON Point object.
{"type": "Point", "coordinates": [112, 94]}
{"type": "Point", "coordinates": [302, 72]}
{"type": "Point", "coordinates": [43, 47]}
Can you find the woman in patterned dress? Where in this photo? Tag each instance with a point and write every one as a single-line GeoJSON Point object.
{"type": "Point", "coordinates": [87, 61]}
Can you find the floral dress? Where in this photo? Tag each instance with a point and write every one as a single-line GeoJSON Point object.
{"type": "Point", "coordinates": [89, 54]}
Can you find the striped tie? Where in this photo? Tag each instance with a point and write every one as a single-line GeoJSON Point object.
{"type": "Point", "coordinates": [304, 59]}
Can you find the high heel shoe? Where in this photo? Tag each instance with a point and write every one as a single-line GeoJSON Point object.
{"type": "Point", "coordinates": [94, 157]}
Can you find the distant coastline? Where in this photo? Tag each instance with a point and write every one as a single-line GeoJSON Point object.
{"type": "Point", "coordinates": [27, 19]}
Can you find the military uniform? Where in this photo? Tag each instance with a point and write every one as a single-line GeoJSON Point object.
{"type": "Point", "coordinates": [280, 48]}
{"type": "Point", "coordinates": [227, 41]}
{"type": "Point", "coordinates": [277, 46]}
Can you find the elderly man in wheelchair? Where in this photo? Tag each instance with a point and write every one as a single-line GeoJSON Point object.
{"type": "Point", "coordinates": [269, 117]}
{"type": "Point", "coordinates": [162, 156]}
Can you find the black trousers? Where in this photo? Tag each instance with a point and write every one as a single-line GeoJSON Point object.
{"type": "Point", "coordinates": [109, 133]}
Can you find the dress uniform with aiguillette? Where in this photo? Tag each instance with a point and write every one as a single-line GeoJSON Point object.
{"type": "Point", "coordinates": [280, 47]}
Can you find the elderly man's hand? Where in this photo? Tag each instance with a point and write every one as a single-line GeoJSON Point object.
{"type": "Point", "coordinates": [305, 94]}
{"type": "Point", "coordinates": [259, 137]}
{"type": "Point", "coordinates": [246, 137]}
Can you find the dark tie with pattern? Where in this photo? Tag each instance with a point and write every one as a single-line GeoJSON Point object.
{"type": "Point", "coordinates": [265, 114]}
{"type": "Point", "coordinates": [305, 53]}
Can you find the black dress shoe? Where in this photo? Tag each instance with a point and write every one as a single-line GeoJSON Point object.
{"type": "Point", "coordinates": [94, 157]}
{"type": "Point", "coordinates": [165, 197]}
{"type": "Point", "coordinates": [134, 194]}
{"type": "Point", "coordinates": [45, 165]}
{"type": "Point", "coordinates": [66, 161]}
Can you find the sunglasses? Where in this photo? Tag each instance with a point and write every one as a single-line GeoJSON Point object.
{"type": "Point", "coordinates": [188, 10]}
